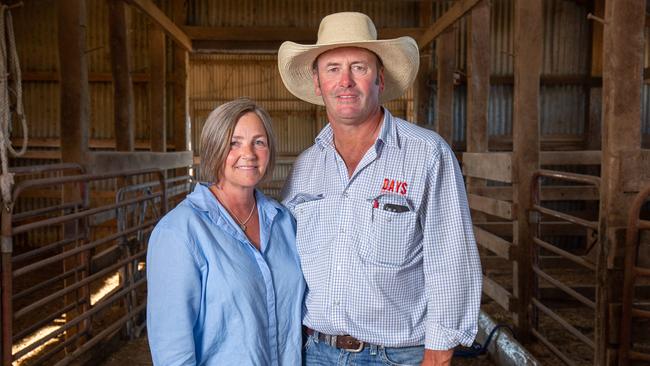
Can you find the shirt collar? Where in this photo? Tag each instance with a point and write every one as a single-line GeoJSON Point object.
{"type": "Point", "coordinates": [387, 135]}
{"type": "Point", "coordinates": [203, 199]}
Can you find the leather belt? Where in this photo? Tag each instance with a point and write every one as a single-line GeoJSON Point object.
{"type": "Point", "coordinates": [345, 342]}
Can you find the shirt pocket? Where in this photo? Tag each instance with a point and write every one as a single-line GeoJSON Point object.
{"type": "Point", "coordinates": [308, 218]}
{"type": "Point", "coordinates": [392, 237]}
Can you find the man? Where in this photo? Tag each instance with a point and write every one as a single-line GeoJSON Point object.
{"type": "Point", "coordinates": [383, 227]}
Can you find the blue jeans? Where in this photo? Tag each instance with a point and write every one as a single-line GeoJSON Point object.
{"type": "Point", "coordinates": [322, 354]}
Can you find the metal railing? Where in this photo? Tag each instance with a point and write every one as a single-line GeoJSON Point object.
{"type": "Point", "coordinates": [632, 273]}
{"type": "Point", "coordinates": [47, 290]}
{"type": "Point", "coordinates": [537, 210]}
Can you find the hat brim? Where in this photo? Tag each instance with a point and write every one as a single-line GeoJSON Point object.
{"type": "Point", "coordinates": [400, 57]}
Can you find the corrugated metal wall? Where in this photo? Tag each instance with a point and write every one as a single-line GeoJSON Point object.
{"type": "Point", "coordinates": [216, 78]}
{"type": "Point", "coordinates": [301, 14]}
{"type": "Point", "coordinates": [35, 25]}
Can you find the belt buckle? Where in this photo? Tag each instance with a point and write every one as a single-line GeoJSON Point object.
{"type": "Point", "coordinates": [358, 349]}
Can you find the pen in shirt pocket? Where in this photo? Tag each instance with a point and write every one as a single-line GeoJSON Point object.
{"type": "Point", "coordinates": [375, 205]}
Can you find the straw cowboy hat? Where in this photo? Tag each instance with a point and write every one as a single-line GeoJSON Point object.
{"type": "Point", "coordinates": [400, 56]}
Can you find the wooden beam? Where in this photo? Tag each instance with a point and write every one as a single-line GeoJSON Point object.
{"type": "Point", "coordinates": [181, 97]}
{"type": "Point", "coordinates": [497, 293]}
{"type": "Point", "coordinates": [75, 122]}
{"type": "Point", "coordinates": [478, 85]}
{"type": "Point", "coordinates": [554, 193]}
{"type": "Point", "coordinates": [281, 34]}
{"type": "Point", "coordinates": [596, 65]}
{"type": "Point", "coordinates": [115, 161]}
{"type": "Point", "coordinates": [491, 206]}
{"type": "Point", "coordinates": [53, 76]}
{"type": "Point", "coordinates": [73, 71]}
{"type": "Point", "coordinates": [623, 43]}
{"type": "Point", "coordinates": [493, 243]}
{"type": "Point", "coordinates": [478, 70]}
{"type": "Point", "coordinates": [422, 86]}
{"type": "Point", "coordinates": [492, 166]}
{"type": "Point", "coordinates": [157, 89]}
{"type": "Point", "coordinates": [593, 124]}
{"type": "Point", "coordinates": [636, 170]}
{"type": "Point", "coordinates": [152, 11]}
{"type": "Point", "coordinates": [583, 157]}
{"type": "Point", "coordinates": [445, 54]}
{"type": "Point", "coordinates": [445, 21]}
{"type": "Point", "coordinates": [525, 156]}
{"type": "Point", "coordinates": [93, 143]}
{"type": "Point", "coordinates": [504, 228]}
{"type": "Point", "coordinates": [123, 102]}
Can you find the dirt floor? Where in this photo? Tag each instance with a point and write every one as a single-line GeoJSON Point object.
{"type": "Point", "coordinates": [136, 353]}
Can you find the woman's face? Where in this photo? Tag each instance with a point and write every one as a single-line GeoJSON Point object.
{"type": "Point", "coordinates": [249, 154]}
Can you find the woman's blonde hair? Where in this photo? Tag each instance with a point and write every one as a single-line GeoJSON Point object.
{"type": "Point", "coordinates": [217, 135]}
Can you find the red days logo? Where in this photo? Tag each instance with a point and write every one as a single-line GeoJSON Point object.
{"type": "Point", "coordinates": [395, 186]}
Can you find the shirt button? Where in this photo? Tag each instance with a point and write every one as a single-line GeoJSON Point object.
{"type": "Point", "coordinates": [338, 268]}
{"type": "Point", "coordinates": [345, 194]}
{"type": "Point", "coordinates": [337, 303]}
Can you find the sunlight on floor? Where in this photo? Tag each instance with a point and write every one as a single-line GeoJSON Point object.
{"type": "Point", "coordinates": [110, 284]}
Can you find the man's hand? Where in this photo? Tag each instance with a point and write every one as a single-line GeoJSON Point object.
{"type": "Point", "coordinates": [437, 358]}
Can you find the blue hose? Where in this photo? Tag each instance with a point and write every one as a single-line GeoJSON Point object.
{"type": "Point", "coordinates": [477, 349]}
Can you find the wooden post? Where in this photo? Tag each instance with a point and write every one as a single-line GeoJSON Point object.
{"type": "Point", "coordinates": [181, 107]}
{"type": "Point", "coordinates": [74, 122]}
{"type": "Point", "coordinates": [123, 105]}
{"type": "Point", "coordinates": [422, 89]}
{"type": "Point", "coordinates": [525, 155]}
{"type": "Point", "coordinates": [157, 88]}
{"type": "Point", "coordinates": [445, 52]}
{"type": "Point", "coordinates": [478, 89]}
{"type": "Point", "coordinates": [623, 43]}
{"type": "Point", "coordinates": [478, 78]}
{"type": "Point", "coordinates": [593, 95]}
{"type": "Point", "coordinates": [75, 94]}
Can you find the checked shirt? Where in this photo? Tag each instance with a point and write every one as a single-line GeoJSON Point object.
{"type": "Point", "coordinates": [388, 254]}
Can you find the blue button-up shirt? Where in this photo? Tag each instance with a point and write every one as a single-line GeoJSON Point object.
{"type": "Point", "coordinates": [388, 253]}
{"type": "Point", "coordinates": [213, 299]}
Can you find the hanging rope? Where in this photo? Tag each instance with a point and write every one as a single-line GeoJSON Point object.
{"type": "Point", "coordinates": [9, 65]}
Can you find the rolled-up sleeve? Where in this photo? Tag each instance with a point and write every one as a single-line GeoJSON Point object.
{"type": "Point", "coordinates": [173, 298]}
{"type": "Point", "coordinates": [452, 267]}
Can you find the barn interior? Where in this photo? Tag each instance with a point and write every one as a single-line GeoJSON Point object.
{"type": "Point", "coordinates": [546, 104]}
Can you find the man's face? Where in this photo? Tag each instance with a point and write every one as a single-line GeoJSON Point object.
{"type": "Point", "coordinates": [350, 80]}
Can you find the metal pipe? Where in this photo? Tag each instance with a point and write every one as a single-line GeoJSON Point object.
{"type": "Point", "coordinates": [49, 318]}
{"type": "Point", "coordinates": [638, 356]}
{"type": "Point", "coordinates": [572, 257]}
{"type": "Point", "coordinates": [54, 350]}
{"type": "Point", "coordinates": [553, 348]}
{"type": "Point", "coordinates": [565, 288]}
{"type": "Point", "coordinates": [570, 328]}
{"type": "Point", "coordinates": [41, 211]}
{"type": "Point", "coordinates": [572, 177]}
{"type": "Point", "coordinates": [566, 217]}
{"type": "Point", "coordinates": [78, 215]}
{"type": "Point", "coordinates": [101, 335]}
{"type": "Point", "coordinates": [630, 272]}
{"type": "Point", "coordinates": [45, 249]}
{"type": "Point", "coordinates": [6, 247]}
{"type": "Point", "coordinates": [77, 320]}
{"type": "Point", "coordinates": [76, 250]}
{"type": "Point", "coordinates": [38, 169]}
{"type": "Point", "coordinates": [46, 283]}
{"type": "Point", "coordinates": [7, 237]}
{"type": "Point", "coordinates": [76, 285]}
{"type": "Point", "coordinates": [48, 182]}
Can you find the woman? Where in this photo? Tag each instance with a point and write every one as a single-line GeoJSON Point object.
{"type": "Point", "coordinates": [224, 280]}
